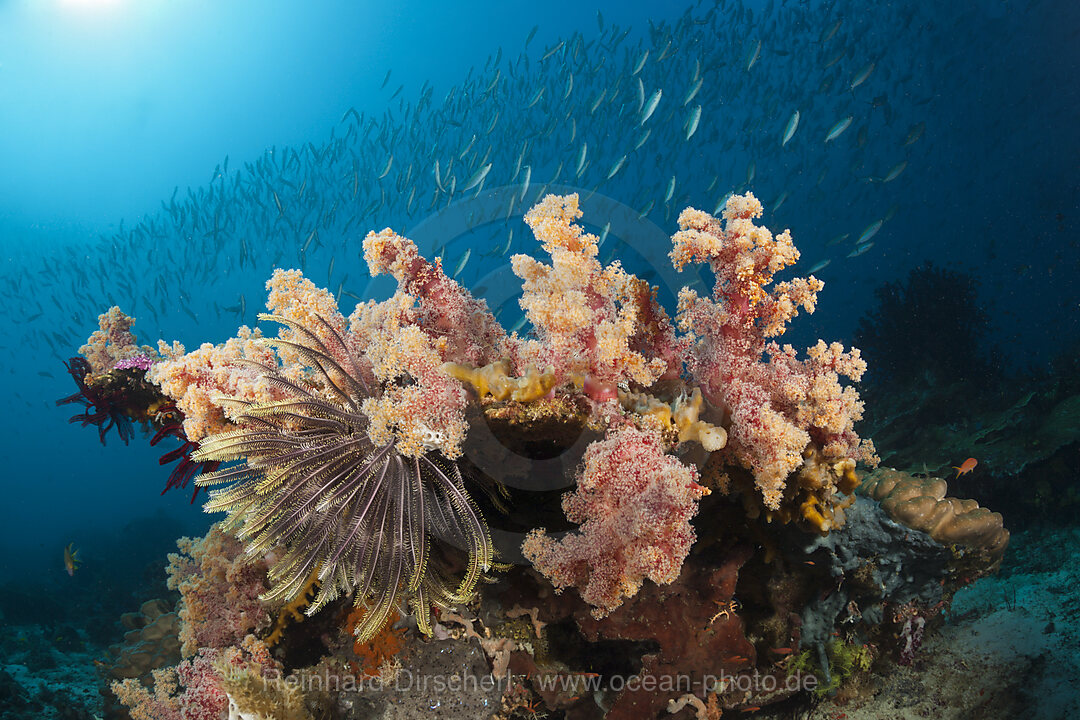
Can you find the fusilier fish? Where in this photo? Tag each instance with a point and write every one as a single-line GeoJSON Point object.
{"type": "Point", "coordinates": [692, 122]}
{"type": "Point", "coordinates": [650, 106]}
{"type": "Point", "coordinates": [870, 231]}
{"type": "Point", "coordinates": [790, 128]}
{"type": "Point", "coordinates": [838, 129]}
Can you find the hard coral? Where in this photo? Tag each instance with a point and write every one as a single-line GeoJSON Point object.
{"type": "Point", "coordinates": [634, 503]}
{"type": "Point", "coordinates": [920, 503]}
{"type": "Point", "coordinates": [778, 407]}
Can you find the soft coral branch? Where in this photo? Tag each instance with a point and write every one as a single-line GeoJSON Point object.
{"type": "Point", "coordinates": [777, 404]}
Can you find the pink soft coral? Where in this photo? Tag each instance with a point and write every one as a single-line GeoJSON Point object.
{"type": "Point", "coordinates": [590, 321]}
{"type": "Point", "coordinates": [112, 343]}
{"type": "Point", "coordinates": [465, 328]}
{"type": "Point", "coordinates": [779, 405]}
{"type": "Point", "coordinates": [219, 591]}
{"type": "Point", "coordinates": [197, 380]}
{"type": "Point", "coordinates": [634, 503]}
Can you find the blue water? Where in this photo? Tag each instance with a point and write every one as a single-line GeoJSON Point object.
{"type": "Point", "coordinates": [116, 118]}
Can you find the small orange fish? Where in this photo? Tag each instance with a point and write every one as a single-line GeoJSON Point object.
{"type": "Point", "coordinates": [71, 559]}
{"type": "Point", "coordinates": [752, 708]}
{"type": "Point", "coordinates": [965, 467]}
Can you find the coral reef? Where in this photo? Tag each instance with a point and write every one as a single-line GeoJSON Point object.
{"type": "Point", "coordinates": [696, 627]}
{"type": "Point", "coordinates": [588, 319]}
{"type": "Point", "coordinates": [113, 346]}
{"type": "Point", "coordinates": [151, 642]}
{"type": "Point", "coordinates": [115, 398]}
{"type": "Point", "coordinates": [693, 480]}
{"type": "Point", "coordinates": [192, 380]}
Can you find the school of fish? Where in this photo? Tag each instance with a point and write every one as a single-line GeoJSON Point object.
{"type": "Point", "coordinates": [797, 102]}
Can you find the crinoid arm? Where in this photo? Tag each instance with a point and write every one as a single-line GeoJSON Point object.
{"type": "Point", "coordinates": [362, 517]}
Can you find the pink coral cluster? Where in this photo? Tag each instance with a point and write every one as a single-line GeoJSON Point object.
{"type": "Point", "coordinates": [194, 690]}
{"type": "Point", "coordinates": [465, 328]}
{"type": "Point", "coordinates": [779, 406]}
{"type": "Point", "coordinates": [112, 343]}
{"type": "Point", "coordinates": [430, 320]}
{"type": "Point", "coordinates": [219, 590]}
{"type": "Point", "coordinates": [398, 345]}
{"type": "Point", "coordinates": [197, 380]}
{"type": "Point", "coordinates": [590, 321]}
{"type": "Point", "coordinates": [634, 503]}
{"type": "Point", "coordinates": [600, 328]}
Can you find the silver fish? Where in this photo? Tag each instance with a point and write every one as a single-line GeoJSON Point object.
{"type": "Point", "coordinates": [650, 106]}
{"type": "Point", "coordinates": [640, 63]}
{"type": "Point", "coordinates": [860, 250]}
{"type": "Point", "coordinates": [827, 35]}
{"type": "Point", "coordinates": [641, 140]}
{"type": "Point", "coordinates": [753, 58]}
{"type": "Point", "coordinates": [838, 129]}
{"type": "Point", "coordinates": [525, 183]}
{"type": "Point", "coordinates": [870, 231]}
{"type": "Point", "coordinates": [616, 167]}
{"type": "Point", "coordinates": [386, 170]}
{"type": "Point", "coordinates": [790, 128]}
{"type": "Point", "coordinates": [477, 178]}
{"type": "Point", "coordinates": [779, 201]}
{"type": "Point", "coordinates": [693, 92]}
{"type": "Point", "coordinates": [914, 133]}
{"type": "Point", "coordinates": [552, 51]}
{"type": "Point", "coordinates": [895, 172]}
{"type": "Point", "coordinates": [596, 103]}
{"type": "Point", "coordinates": [861, 76]}
{"type": "Point", "coordinates": [463, 153]}
{"type": "Point", "coordinates": [692, 123]}
{"type": "Point", "coordinates": [461, 263]}
{"type": "Point", "coordinates": [721, 203]}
